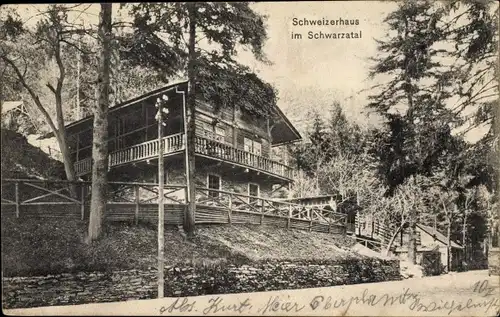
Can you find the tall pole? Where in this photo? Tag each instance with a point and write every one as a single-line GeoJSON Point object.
{"type": "Point", "coordinates": [78, 84]}
{"type": "Point", "coordinates": [161, 213]}
{"type": "Point", "coordinates": [78, 110]}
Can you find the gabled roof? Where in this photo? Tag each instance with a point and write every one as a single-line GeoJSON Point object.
{"type": "Point", "coordinates": [438, 236]}
{"type": "Point", "coordinates": [282, 127]}
{"type": "Point", "coordinates": [10, 105]}
{"type": "Point", "coordinates": [289, 125]}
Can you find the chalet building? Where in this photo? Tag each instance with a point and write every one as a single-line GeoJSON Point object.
{"type": "Point", "coordinates": [236, 151]}
{"type": "Point", "coordinates": [430, 239]}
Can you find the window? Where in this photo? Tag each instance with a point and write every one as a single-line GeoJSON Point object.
{"type": "Point", "coordinates": [252, 146]}
{"type": "Point", "coordinates": [216, 133]}
{"type": "Point", "coordinates": [213, 183]}
{"type": "Point", "coordinates": [257, 148]}
{"type": "Point", "coordinates": [209, 131]}
{"type": "Point", "coordinates": [253, 191]}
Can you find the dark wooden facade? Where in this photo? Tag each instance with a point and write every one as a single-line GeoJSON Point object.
{"type": "Point", "coordinates": [235, 150]}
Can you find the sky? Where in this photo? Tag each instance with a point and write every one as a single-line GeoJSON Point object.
{"type": "Point", "coordinates": [310, 74]}
{"type": "Point", "coordinates": [313, 73]}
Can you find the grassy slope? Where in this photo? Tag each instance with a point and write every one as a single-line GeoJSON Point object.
{"type": "Point", "coordinates": [56, 245]}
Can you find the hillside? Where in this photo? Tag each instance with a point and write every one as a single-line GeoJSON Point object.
{"type": "Point", "coordinates": [20, 159]}
{"type": "Point", "coordinates": [49, 246]}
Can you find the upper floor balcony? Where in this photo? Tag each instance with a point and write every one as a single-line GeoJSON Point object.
{"type": "Point", "coordinates": [207, 147]}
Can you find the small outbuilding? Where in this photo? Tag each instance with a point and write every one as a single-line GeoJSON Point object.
{"type": "Point", "coordinates": [430, 241]}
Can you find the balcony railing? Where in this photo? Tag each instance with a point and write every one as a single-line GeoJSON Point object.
{"type": "Point", "coordinates": [229, 153]}
{"type": "Point", "coordinates": [149, 149]}
{"type": "Point", "coordinates": [172, 143]}
{"type": "Point", "coordinates": [203, 146]}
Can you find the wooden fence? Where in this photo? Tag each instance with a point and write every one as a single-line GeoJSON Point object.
{"type": "Point", "coordinates": [373, 244]}
{"type": "Point", "coordinates": [129, 201]}
{"type": "Point", "coordinates": [228, 207]}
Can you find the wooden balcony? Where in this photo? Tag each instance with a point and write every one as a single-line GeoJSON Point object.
{"type": "Point", "coordinates": [228, 153]}
{"type": "Point", "coordinates": [204, 146]}
{"type": "Point", "coordinates": [142, 151]}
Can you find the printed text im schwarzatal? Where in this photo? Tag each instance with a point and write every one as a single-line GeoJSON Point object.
{"type": "Point", "coordinates": [325, 34]}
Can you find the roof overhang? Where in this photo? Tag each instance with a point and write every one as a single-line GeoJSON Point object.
{"type": "Point", "coordinates": [438, 236]}
{"type": "Point", "coordinates": [10, 105]}
{"type": "Point", "coordinates": [174, 87]}
{"type": "Point", "coordinates": [283, 132]}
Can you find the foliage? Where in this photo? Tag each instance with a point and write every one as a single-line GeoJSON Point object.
{"type": "Point", "coordinates": [416, 166]}
{"type": "Point", "coordinates": [337, 158]}
{"type": "Point", "coordinates": [223, 28]}
{"type": "Point", "coordinates": [473, 29]}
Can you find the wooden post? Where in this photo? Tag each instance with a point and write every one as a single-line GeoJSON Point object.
{"type": "Point", "coordinates": [136, 218]}
{"type": "Point", "coordinates": [229, 213]}
{"type": "Point", "coordinates": [289, 216]}
{"type": "Point", "coordinates": [261, 211]}
{"type": "Point", "coordinates": [82, 202]}
{"type": "Point", "coordinates": [309, 214]}
{"type": "Point", "coordinates": [17, 199]}
{"type": "Point", "coordinates": [330, 223]}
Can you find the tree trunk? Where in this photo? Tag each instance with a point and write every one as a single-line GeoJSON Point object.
{"type": "Point", "coordinates": [61, 131]}
{"type": "Point", "coordinates": [412, 219]}
{"type": "Point", "coordinates": [393, 238]}
{"type": "Point", "coordinates": [464, 235]}
{"type": "Point", "coordinates": [100, 131]}
{"type": "Point", "coordinates": [191, 127]}
{"type": "Point", "coordinates": [69, 168]}
{"type": "Point", "coordinates": [448, 248]}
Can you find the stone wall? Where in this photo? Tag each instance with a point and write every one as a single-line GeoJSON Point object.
{"type": "Point", "coordinates": [70, 289]}
{"type": "Point", "coordinates": [189, 281]}
{"type": "Point", "coordinates": [78, 288]}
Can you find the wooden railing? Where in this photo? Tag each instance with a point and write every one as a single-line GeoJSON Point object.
{"type": "Point", "coordinates": [171, 143]}
{"type": "Point", "coordinates": [83, 166]}
{"type": "Point", "coordinates": [375, 245]}
{"type": "Point", "coordinates": [266, 207]}
{"type": "Point", "coordinates": [374, 228]}
{"type": "Point", "coordinates": [203, 146]}
{"type": "Point", "coordinates": [142, 151]}
{"type": "Point", "coordinates": [229, 153]}
{"type": "Point", "coordinates": [26, 198]}
{"type": "Point", "coordinates": [128, 201]}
